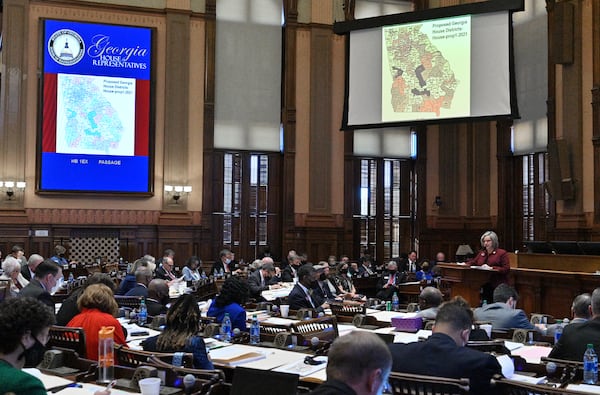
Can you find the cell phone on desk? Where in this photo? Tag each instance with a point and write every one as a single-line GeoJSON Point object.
{"type": "Point", "coordinates": [140, 333]}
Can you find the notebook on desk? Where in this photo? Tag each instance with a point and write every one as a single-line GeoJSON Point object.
{"type": "Point", "coordinates": [248, 381]}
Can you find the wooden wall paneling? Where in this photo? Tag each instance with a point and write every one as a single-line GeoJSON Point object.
{"type": "Point", "coordinates": [320, 121]}
{"type": "Point", "coordinates": [509, 197]}
{"type": "Point", "coordinates": [596, 108]}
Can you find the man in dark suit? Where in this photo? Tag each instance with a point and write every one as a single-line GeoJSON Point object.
{"type": "Point", "coordinates": [389, 281]}
{"type": "Point", "coordinates": [575, 337]}
{"type": "Point", "coordinates": [322, 286]}
{"type": "Point", "coordinates": [28, 271]}
{"type": "Point", "coordinates": [262, 279]}
{"type": "Point", "coordinates": [290, 272]}
{"type": "Point", "coordinates": [302, 295]}
{"type": "Point", "coordinates": [46, 277]}
{"type": "Point", "coordinates": [165, 271]}
{"type": "Point", "coordinates": [357, 364]}
{"type": "Point", "coordinates": [158, 297]}
{"type": "Point", "coordinates": [450, 335]}
{"type": "Point", "coordinates": [503, 314]}
{"type": "Point", "coordinates": [143, 276]}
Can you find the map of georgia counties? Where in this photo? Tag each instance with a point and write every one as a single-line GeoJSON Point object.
{"type": "Point", "coordinates": [423, 80]}
{"type": "Point", "coordinates": [92, 123]}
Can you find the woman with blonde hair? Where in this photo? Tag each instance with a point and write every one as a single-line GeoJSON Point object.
{"type": "Point", "coordinates": [98, 308]}
{"type": "Point", "coordinates": [181, 333]}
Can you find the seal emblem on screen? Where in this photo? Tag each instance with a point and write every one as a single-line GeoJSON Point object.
{"type": "Point", "coordinates": [66, 47]}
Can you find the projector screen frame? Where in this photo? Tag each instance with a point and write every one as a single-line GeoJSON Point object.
{"type": "Point", "coordinates": [149, 175]}
{"type": "Point", "coordinates": [346, 27]}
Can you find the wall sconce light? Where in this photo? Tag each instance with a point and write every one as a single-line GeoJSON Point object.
{"type": "Point", "coordinates": [177, 191]}
{"type": "Point", "coordinates": [9, 188]}
{"type": "Point", "coordinates": [438, 201]}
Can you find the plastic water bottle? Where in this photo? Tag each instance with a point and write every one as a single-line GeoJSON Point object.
{"type": "Point", "coordinates": [71, 278]}
{"type": "Point", "coordinates": [226, 328]}
{"type": "Point", "coordinates": [558, 331]}
{"type": "Point", "coordinates": [395, 302]}
{"type": "Point", "coordinates": [143, 314]}
{"type": "Point", "coordinates": [590, 365]}
{"type": "Point", "coordinates": [106, 359]}
{"type": "Point", "coordinates": [255, 330]}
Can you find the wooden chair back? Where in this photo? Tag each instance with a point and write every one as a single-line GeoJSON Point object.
{"type": "Point", "coordinates": [4, 289]}
{"type": "Point", "coordinates": [415, 384]}
{"type": "Point", "coordinates": [67, 338]}
{"type": "Point", "coordinates": [132, 302]}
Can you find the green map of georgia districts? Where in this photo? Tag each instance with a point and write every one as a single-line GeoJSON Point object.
{"type": "Point", "coordinates": [422, 79]}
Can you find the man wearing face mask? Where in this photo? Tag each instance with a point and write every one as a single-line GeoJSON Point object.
{"type": "Point", "coordinates": [389, 281]}
{"type": "Point", "coordinates": [323, 286]}
{"type": "Point", "coordinates": [450, 335]}
{"type": "Point", "coordinates": [302, 295]}
{"type": "Point", "coordinates": [503, 313]}
{"type": "Point", "coordinates": [46, 281]}
{"type": "Point", "coordinates": [221, 265]}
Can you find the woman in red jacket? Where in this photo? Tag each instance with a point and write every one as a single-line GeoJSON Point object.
{"type": "Point", "coordinates": [97, 307]}
{"type": "Point", "coordinates": [492, 258]}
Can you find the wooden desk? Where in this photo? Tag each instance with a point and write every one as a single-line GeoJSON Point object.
{"type": "Point", "coordinates": [465, 281]}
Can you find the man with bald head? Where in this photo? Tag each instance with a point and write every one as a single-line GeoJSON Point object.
{"type": "Point", "coordinates": [158, 297]}
{"type": "Point", "coordinates": [430, 300]}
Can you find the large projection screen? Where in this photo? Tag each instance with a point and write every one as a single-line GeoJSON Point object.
{"type": "Point", "coordinates": [95, 130]}
{"type": "Point", "coordinates": [441, 65]}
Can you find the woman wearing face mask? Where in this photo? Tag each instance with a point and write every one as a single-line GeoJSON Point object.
{"type": "Point", "coordinates": [343, 281]}
{"type": "Point", "coordinates": [24, 327]}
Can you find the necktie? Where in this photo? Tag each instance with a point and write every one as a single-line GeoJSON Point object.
{"type": "Point", "coordinates": [391, 280]}
{"type": "Point", "coordinates": [308, 294]}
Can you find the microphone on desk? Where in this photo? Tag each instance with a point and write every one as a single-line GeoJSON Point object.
{"type": "Point", "coordinates": [188, 383]}
{"type": "Point", "coordinates": [550, 368]}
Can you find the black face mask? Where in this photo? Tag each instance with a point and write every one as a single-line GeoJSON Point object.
{"type": "Point", "coordinates": [322, 277]}
{"type": "Point", "coordinates": [34, 354]}
{"type": "Point", "coordinates": [392, 271]}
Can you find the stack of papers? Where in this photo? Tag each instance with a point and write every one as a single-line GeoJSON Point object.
{"type": "Point", "coordinates": [302, 369]}
{"type": "Point", "coordinates": [233, 356]}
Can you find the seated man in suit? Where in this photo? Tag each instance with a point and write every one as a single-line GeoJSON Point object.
{"type": "Point", "coordinates": [28, 271]}
{"type": "Point", "coordinates": [165, 270]}
{"type": "Point", "coordinates": [143, 276]}
{"type": "Point", "coordinates": [357, 364]}
{"type": "Point", "coordinates": [302, 295]}
{"type": "Point", "coordinates": [450, 335]}
{"type": "Point", "coordinates": [389, 281]}
{"type": "Point", "coordinates": [262, 279]}
{"type": "Point", "coordinates": [158, 297]}
{"type": "Point", "coordinates": [430, 300]}
{"type": "Point", "coordinates": [47, 275]}
{"type": "Point", "coordinates": [581, 311]}
{"type": "Point", "coordinates": [575, 337]}
{"type": "Point", "coordinates": [503, 314]}
{"type": "Point", "coordinates": [323, 287]}
{"type": "Point", "coordinates": [290, 272]}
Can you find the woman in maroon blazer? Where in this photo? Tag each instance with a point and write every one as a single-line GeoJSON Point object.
{"type": "Point", "coordinates": [494, 258]}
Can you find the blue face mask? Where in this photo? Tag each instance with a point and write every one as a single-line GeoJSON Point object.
{"type": "Point", "coordinates": [228, 261]}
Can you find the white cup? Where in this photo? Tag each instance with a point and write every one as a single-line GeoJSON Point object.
{"type": "Point", "coordinates": [150, 386]}
{"type": "Point", "coordinates": [285, 310]}
{"type": "Point", "coordinates": [487, 328]}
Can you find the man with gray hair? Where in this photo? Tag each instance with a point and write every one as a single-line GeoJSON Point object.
{"type": "Point", "coordinates": [389, 281]}
{"type": "Point", "coordinates": [262, 279]}
{"type": "Point", "coordinates": [575, 337]}
{"type": "Point", "coordinates": [143, 276]}
{"type": "Point", "coordinates": [358, 364]}
{"type": "Point", "coordinates": [28, 271]}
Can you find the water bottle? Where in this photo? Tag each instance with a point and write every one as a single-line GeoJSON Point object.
{"type": "Point", "coordinates": [106, 359]}
{"type": "Point", "coordinates": [226, 328]}
{"type": "Point", "coordinates": [558, 331]}
{"type": "Point", "coordinates": [143, 314]}
{"type": "Point", "coordinates": [71, 278]}
{"type": "Point", "coordinates": [395, 302]}
{"type": "Point", "coordinates": [255, 330]}
{"type": "Point", "coordinates": [590, 365]}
